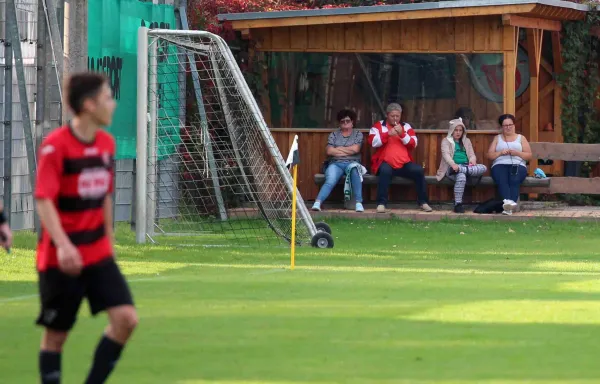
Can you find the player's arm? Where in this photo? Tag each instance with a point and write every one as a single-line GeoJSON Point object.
{"type": "Point", "coordinates": [377, 137]}
{"type": "Point", "coordinates": [47, 187]}
{"type": "Point", "coordinates": [107, 207]}
{"type": "Point", "coordinates": [69, 259]}
{"type": "Point", "coordinates": [408, 137]}
{"type": "Point", "coordinates": [51, 222]}
{"type": "Point", "coordinates": [108, 220]}
{"type": "Point", "coordinates": [5, 233]}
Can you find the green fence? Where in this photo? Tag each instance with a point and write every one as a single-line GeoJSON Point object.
{"type": "Point", "coordinates": [112, 48]}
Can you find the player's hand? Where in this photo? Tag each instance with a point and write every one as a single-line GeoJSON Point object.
{"type": "Point", "coordinates": [69, 259]}
{"type": "Point", "coordinates": [393, 132]}
{"type": "Point", "coordinates": [5, 236]}
{"type": "Point", "coordinates": [455, 167]}
{"type": "Point", "coordinates": [505, 152]}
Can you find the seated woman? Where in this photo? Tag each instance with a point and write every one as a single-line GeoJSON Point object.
{"type": "Point", "coordinates": [343, 149]}
{"type": "Point", "coordinates": [458, 161]}
{"type": "Point", "coordinates": [509, 152]}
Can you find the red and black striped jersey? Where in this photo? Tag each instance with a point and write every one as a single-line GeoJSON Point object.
{"type": "Point", "coordinates": [76, 176]}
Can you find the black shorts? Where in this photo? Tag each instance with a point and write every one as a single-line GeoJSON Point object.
{"type": "Point", "coordinates": [61, 295]}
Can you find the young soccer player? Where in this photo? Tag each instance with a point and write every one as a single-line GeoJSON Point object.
{"type": "Point", "coordinates": [75, 256]}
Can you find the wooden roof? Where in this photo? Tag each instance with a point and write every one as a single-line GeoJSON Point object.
{"type": "Point", "coordinates": [541, 9]}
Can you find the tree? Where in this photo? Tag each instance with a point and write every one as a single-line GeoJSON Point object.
{"type": "Point", "coordinates": [203, 13]}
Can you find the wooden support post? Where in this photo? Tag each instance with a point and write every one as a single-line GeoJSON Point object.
{"type": "Point", "coordinates": [534, 49]}
{"type": "Point", "coordinates": [558, 68]}
{"type": "Point", "coordinates": [510, 68]}
{"type": "Point", "coordinates": [558, 166]}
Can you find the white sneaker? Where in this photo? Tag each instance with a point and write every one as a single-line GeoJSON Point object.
{"type": "Point", "coordinates": [509, 205]}
{"type": "Point", "coordinates": [508, 213]}
{"type": "Point", "coordinates": [381, 208]}
{"type": "Point", "coordinates": [316, 206]}
{"type": "Point", "coordinates": [426, 207]}
{"type": "Point", "coordinates": [359, 207]}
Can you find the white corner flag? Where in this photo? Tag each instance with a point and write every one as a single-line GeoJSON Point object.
{"type": "Point", "coordinates": [294, 156]}
{"type": "Point", "coordinates": [292, 162]}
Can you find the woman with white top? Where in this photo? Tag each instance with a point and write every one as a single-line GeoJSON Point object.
{"type": "Point", "coordinates": [509, 152]}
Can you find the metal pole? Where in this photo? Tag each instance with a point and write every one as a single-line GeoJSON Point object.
{"type": "Point", "coordinates": [40, 95]}
{"type": "Point", "coordinates": [52, 101]}
{"type": "Point", "coordinates": [132, 214]}
{"type": "Point", "coordinates": [142, 135]}
{"type": "Point", "coordinates": [8, 86]}
{"type": "Point", "coordinates": [60, 15]}
{"type": "Point", "coordinates": [13, 32]}
{"type": "Point", "coordinates": [50, 12]}
{"type": "Point", "coordinates": [152, 150]}
{"type": "Point", "coordinates": [212, 165]}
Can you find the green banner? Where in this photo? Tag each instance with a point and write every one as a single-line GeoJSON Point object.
{"type": "Point", "coordinates": [112, 48]}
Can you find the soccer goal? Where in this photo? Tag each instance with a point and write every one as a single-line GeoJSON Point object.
{"type": "Point", "coordinates": [208, 168]}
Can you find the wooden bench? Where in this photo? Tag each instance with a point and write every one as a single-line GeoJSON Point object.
{"type": "Point", "coordinates": [543, 151]}
{"type": "Point", "coordinates": [369, 179]}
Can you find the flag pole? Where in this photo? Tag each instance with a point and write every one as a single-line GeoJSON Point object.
{"type": "Point", "coordinates": [293, 255]}
{"type": "Point", "coordinates": [292, 161]}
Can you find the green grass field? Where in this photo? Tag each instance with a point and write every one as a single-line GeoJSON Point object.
{"type": "Point", "coordinates": [393, 302]}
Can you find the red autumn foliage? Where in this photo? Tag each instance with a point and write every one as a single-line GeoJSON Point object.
{"type": "Point", "coordinates": [203, 13]}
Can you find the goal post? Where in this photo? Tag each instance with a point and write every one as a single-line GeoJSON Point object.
{"type": "Point", "coordinates": [142, 135]}
{"type": "Point", "coordinates": [226, 173]}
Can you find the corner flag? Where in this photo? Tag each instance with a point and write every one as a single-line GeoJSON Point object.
{"type": "Point", "coordinates": [294, 156]}
{"type": "Point", "coordinates": [292, 162]}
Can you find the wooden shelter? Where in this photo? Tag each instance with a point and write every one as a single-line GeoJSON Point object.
{"type": "Point", "coordinates": [504, 28]}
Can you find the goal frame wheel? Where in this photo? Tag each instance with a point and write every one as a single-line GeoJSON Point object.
{"type": "Point", "coordinates": [322, 240]}
{"type": "Point", "coordinates": [323, 227]}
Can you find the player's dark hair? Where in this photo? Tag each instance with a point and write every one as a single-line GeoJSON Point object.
{"type": "Point", "coordinates": [346, 113]}
{"type": "Point", "coordinates": [82, 86]}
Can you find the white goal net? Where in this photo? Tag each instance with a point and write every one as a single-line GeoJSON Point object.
{"type": "Point", "coordinates": [207, 165]}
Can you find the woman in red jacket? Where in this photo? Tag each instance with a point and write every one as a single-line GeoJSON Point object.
{"type": "Point", "coordinates": [394, 141]}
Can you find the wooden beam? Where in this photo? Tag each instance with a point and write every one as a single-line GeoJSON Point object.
{"type": "Point", "coordinates": [568, 185]}
{"type": "Point", "coordinates": [558, 68]}
{"type": "Point", "coordinates": [532, 23]}
{"type": "Point", "coordinates": [566, 151]}
{"type": "Point", "coordinates": [524, 109]}
{"type": "Point", "coordinates": [380, 16]}
{"type": "Point", "coordinates": [534, 50]}
{"type": "Point", "coordinates": [363, 50]}
{"type": "Point", "coordinates": [582, 185]}
{"type": "Point", "coordinates": [509, 69]}
{"type": "Point", "coordinates": [543, 62]}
